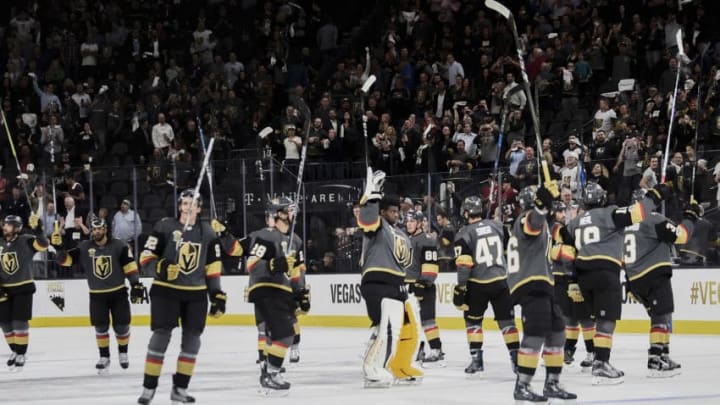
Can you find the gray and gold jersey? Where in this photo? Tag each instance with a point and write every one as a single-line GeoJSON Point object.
{"type": "Point", "coordinates": [528, 256]}
{"type": "Point", "coordinates": [197, 252]}
{"type": "Point", "coordinates": [270, 244]}
{"type": "Point", "coordinates": [105, 267]}
{"type": "Point", "coordinates": [648, 244]}
{"type": "Point", "coordinates": [480, 253]}
{"type": "Point", "coordinates": [562, 266]}
{"type": "Point", "coordinates": [16, 260]}
{"type": "Point", "coordinates": [387, 250]}
{"type": "Point", "coordinates": [425, 259]}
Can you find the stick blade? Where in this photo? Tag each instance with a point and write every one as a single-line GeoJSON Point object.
{"type": "Point", "coordinates": [498, 8]}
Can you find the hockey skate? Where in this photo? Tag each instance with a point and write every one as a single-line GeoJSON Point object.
{"type": "Point", "coordinates": [586, 365]}
{"type": "Point", "coordinates": [294, 354]}
{"type": "Point", "coordinates": [179, 395]}
{"type": "Point", "coordinates": [124, 360]}
{"type": "Point", "coordinates": [475, 368]}
{"type": "Point", "coordinates": [11, 360]}
{"type": "Point", "coordinates": [434, 359]}
{"type": "Point", "coordinates": [556, 394]}
{"type": "Point", "coordinates": [273, 384]}
{"type": "Point", "coordinates": [524, 394]}
{"type": "Point", "coordinates": [146, 396]}
{"type": "Point", "coordinates": [603, 373]}
{"type": "Point", "coordinates": [569, 356]}
{"type": "Point", "coordinates": [659, 367]}
{"type": "Point", "coordinates": [103, 365]}
{"type": "Point", "coordinates": [19, 363]}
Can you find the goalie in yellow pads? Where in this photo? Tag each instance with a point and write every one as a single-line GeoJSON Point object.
{"type": "Point", "coordinates": [386, 255]}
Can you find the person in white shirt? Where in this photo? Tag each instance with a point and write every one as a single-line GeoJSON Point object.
{"type": "Point", "coordinates": [455, 69]}
{"type": "Point", "coordinates": [83, 100]}
{"type": "Point", "coordinates": [89, 51]}
{"type": "Point", "coordinates": [605, 118]}
{"type": "Point", "coordinates": [513, 93]}
{"type": "Point", "coordinates": [649, 178]}
{"type": "Point", "coordinates": [162, 134]}
{"type": "Point", "coordinates": [467, 136]}
{"type": "Point", "coordinates": [126, 224]}
{"type": "Point", "coordinates": [233, 68]}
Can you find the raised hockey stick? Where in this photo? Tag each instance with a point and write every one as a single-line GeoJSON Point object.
{"type": "Point", "coordinates": [14, 152]}
{"type": "Point", "coordinates": [681, 58]}
{"type": "Point", "coordinates": [196, 191]}
{"type": "Point", "coordinates": [363, 91]}
{"type": "Point", "coordinates": [505, 12]}
{"type": "Point", "coordinates": [209, 172]}
{"type": "Point", "coordinates": [497, 182]}
{"type": "Point", "coordinates": [305, 110]}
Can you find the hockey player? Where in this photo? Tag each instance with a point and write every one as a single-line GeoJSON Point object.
{"type": "Point", "coordinates": [420, 278]}
{"type": "Point", "coordinates": [482, 279]}
{"type": "Point", "coordinates": [106, 262]}
{"type": "Point", "coordinates": [275, 282]}
{"type": "Point", "coordinates": [597, 237]}
{"type": "Point", "coordinates": [531, 286]}
{"type": "Point", "coordinates": [184, 255]}
{"type": "Point", "coordinates": [575, 314]}
{"type": "Point", "coordinates": [16, 284]}
{"type": "Point", "coordinates": [387, 254]}
{"type": "Point", "coordinates": [647, 251]}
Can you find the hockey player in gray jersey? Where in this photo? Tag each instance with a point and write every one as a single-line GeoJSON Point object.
{"type": "Point", "coordinates": [482, 280]}
{"type": "Point", "coordinates": [276, 280]}
{"type": "Point", "coordinates": [647, 251]}
{"type": "Point", "coordinates": [531, 286]}
{"type": "Point", "coordinates": [106, 262]}
{"type": "Point", "coordinates": [184, 255]}
{"type": "Point", "coordinates": [16, 284]}
{"type": "Point", "coordinates": [695, 251]}
{"type": "Point", "coordinates": [597, 235]}
{"type": "Point", "coordinates": [576, 312]}
{"type": "Point", "coordinates": [420, 278]}
{"type": "Point", "coordinates": [386, 256]}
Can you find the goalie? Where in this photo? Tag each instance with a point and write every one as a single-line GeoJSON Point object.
{"type": "Point", "coordinates": [385, 258]}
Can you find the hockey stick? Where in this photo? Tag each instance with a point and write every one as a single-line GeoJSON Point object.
{"type": "Point", "coordinates": [14, 152]}
{"type": "Point", "coordinates": [305, 110]}
{"type": "Point", "coordinates": [363, 91]}
{"type": "Point", "coordinates": [681, 58]}
{"type": "Point", "coordinates": [505, 12]}
{"type": "Point", "coordinates": [209, 172]}
{"type": "Point", "coordinates": [91, 192]}
{"type": "Point", "coordinates": [196, 190]}
{"type": "Point", "coordinates": [697, 126]}
{"type": "Point", "coordinates": [496, 175]}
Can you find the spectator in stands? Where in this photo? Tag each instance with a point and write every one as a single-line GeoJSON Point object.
{"type": "Point", "coordinates": [650, 175]}
{"type": "Point", "coordinates": [49, 102]}
{"type": "Point", "coordinates": [515, 155]}
{"type": "Point", "coordinates": [162, 134]}
{"type": "Point", "coordinates": [605, 117]}
{"type": "Point", "coordinates": [629, 157]}
{"type": "Point", "coordinates": [526, 174]}
{"type": "Point", "coordinates": [126, 223]}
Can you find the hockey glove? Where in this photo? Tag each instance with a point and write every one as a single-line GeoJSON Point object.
{"type": "Point", "coordinates": [693, 212]}
{"type": "Point", "coordinates": [167, 272]}
{"type": "Point", "coordinates": [419, 290]}
{"type": "Point", "coordinates": [574, 293]}
{"type": "Point", "coordinates": [459, 298]}
{"type": "Point", "coordinates": [138, 293]}
{"type": "Point", "coordinates": [544, 196]}
{"type": "Point", "coordinates": [303, 300]}
{"type": "Point", "coordinates": [34, 221]}
{"type": "Point", "coordinates": [56, 239]}
{"type": "Point", "coordinates": [282, 264]}
{"type": "Point", "coordinates": [218, 227]}
{"type": "Point", "coordinates": [660, 193]}
{"type": "Point", "coordinates": [373, 185]}
{"type": "Point", "coordinates": [217, 303]}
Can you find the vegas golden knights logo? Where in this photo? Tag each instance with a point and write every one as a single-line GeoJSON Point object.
{"type": "Point", "coordinates": [102, 267]}
{"type": "Point", "coordinates": [10, 263]}
{"type": "Point", "coordinates": [189, 257]}
{"type": "Point", "coordinates": [402, 252]}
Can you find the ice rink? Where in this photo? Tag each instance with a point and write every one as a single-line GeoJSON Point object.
{"type": "Point", "coordinates": [60, 370]}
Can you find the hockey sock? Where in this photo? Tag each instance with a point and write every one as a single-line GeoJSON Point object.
{"type": "Point", "coordinates": [603, 339]}
{"type": "Point", "coordinates": [276, 350]}
{"type": "Point", "coordinates": [189, 348]}
{"type": "Point", "coordinates": [432, 333]}
{"type": "Point", "coordinates": [553, 357]}
{"type": "Point", "coordinates": [10, 338]}
{"type": "Point", "coordinates": [22, 336]}
{"type": "Point", "coordinates": [122, 335]}
{"type": "Point", "coordinates": [103, 343]}
{"type": "Point", "coordinates": [261, 341]}
{"type": "Point", "coordinates": [528, 356]}
{"type": "Point", "coordinates": [475, 336]}
{"type": "Point", "coordinates": [510, 334]}
{"type": "Point", "coordinates": [296, 329]}
{"type": "Point", "coordinates": [571, 336]}
{"type": "Point", "coordinates": [155, 357]}
{"type": "Point", "coordinates": [588, 332]}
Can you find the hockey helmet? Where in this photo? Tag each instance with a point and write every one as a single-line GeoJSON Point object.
{"type": "Point", "coordinates": [277, 204]}
{"type": "Point", "coordinates": [189, 193]}
{"type": "Point", "coordinates": [559, 206]}
{"type": "Point", "coordinates": [415, 215]}
{"type": "Point", "coordinates": [14, 220]}
{"type": "Point", "coordinates": [472, 205]}
{"type": "Point", "coordinates": [98, 223]}
{"type": "Point", "coordinates": [526, 197]}
{"type": "Point", "coordinates": [594, 195]}
{"type": "Point", "coordinates": [637, 195]}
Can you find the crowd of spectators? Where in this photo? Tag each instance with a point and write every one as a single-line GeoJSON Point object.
{"type": "Point", "coordinates": [120, 82]}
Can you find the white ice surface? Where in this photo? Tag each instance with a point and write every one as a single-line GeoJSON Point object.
{"type": "Point", "coordinates": [60, 370]}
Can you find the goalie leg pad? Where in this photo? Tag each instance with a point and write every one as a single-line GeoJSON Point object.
{"type": "Point", "coordinates": [376, 376]}
{"type": "Point", "coordinates": [400, 362]}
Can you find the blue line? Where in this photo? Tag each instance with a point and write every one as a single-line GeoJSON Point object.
{"type": "Point", "coordinates": [678, 398]}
